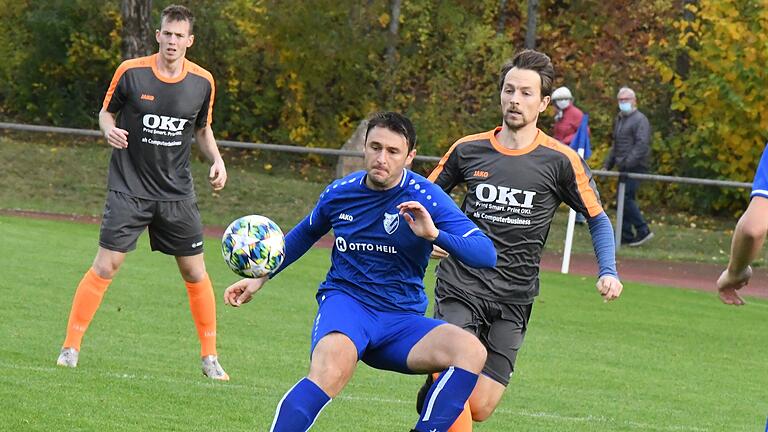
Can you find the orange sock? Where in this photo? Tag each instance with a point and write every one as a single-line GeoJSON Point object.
{"type": "Point", "coordinates": [86, 302]}
{"type": "Point", "coordinates": [203, 307]}
{"type": "Point", "coordinates": [463, 423]}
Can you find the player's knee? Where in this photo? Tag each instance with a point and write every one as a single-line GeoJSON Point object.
{"type": "Point", "coordinates": [472, 352]}
{"type": "Point", "coordinates": [482, 411]}
{"type": "Point", "coordinates": [330, 378]}
{"type": "Point", "coordinates": [193, 275]}
{"type": "Point", "coordinates": [106, 268]}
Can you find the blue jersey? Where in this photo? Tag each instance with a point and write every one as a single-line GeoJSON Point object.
{"type": "Point", "coordinates": [376, 257]}
{"type": "Point", "coordinates": [760, 184]}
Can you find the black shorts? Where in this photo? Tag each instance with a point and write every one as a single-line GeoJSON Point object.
{"type": "Point", "coordinates": [175, 227]}
{"type": "Point", "coordinates": [500, 327]}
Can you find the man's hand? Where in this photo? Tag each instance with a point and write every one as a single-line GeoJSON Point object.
{"type": "Point", "coordinates": [117, 138]}
{"type": "Point", "coordinates": [728, 284]}
{"type": "Point", "coordinates": [217, 175]}
{"type": "Point", "coordinates": [243, 290]}
{"type": "Point", "coordinates": [438, 252]}
{"type": "Point", "coordinates": [418, 219]}
{"type": "Point", "coordinates": [609, 287]}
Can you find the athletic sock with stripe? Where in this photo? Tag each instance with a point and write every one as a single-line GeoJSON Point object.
{"type": "Point", "coordinates": [445, 400]}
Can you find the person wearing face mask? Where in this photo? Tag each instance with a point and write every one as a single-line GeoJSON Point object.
{"type": "Point", "coordinates": [567, 116]}
{"type": "Point", "coordinates": [630, 152]}
{"type": "Point", "coordinates": [567, 120]}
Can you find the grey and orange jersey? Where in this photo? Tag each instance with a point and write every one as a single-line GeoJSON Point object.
{"type": "Point", "coordinates": [512, 196]}
{"type": "Point", "coordinates": [160, 115]}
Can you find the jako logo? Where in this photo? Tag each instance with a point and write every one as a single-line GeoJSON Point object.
{"type": "Point", "coordinates": [148, 97]}
{"type": "Point", "coordinates": [172, 124]}
{"type": "Point", "coordinates": [504, 195]}
{"type": "Point", "coordinates": [346, 217]}
{"type": "Point", "coordinates": [479, 173]}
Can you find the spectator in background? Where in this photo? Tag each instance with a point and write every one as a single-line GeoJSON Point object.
{"type": "Point", "coordinates": [630, 151]}
{"type": "Point", "coordinates": [567, 120]}
{"type": "Point", "coordinates": [567, 116]}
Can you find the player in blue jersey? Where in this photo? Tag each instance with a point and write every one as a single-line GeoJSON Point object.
{"type": "Point", "coordinates": [748, 239]}
{"type": "Point", "coordinates": [371, 305]}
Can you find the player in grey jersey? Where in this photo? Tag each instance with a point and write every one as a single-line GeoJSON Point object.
{"type": "Point", "coordinates": [516, 177]}
{"type": "Point", "coordinates": [153, 108]}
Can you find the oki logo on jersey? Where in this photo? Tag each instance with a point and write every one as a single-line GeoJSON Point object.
{"type": "Point", "coordinates": [391, 222]}
{"type": "Point", "coordinates": [503, 195]}
{"type": "Point", "coordinates": [171, 124]}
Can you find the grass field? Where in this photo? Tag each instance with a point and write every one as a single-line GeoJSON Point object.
{"type": "Point", "coordinates": [660, 359]}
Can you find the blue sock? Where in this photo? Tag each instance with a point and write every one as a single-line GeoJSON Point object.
{"type": "Point", "coordinates": [446, 399]}
{"type": "Point", "coordinates": [299, 408]}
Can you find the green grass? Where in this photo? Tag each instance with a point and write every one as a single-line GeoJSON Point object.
{"type": "Point", "coordinates": [671, 242]}
{"type": "Point", "coordinates": [69, 176]}
{"type": "Point", "coordinates": [659, 359]}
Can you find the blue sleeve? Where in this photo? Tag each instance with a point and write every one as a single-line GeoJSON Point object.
{"type": "Point", "coordinates": [760, 184]}
{"type": "Point", "coordinates": [458, 235]}
{"type": "Point", "coordinates": [474, 248]}
{"type": "Point", "coordinates": [602, 240]}
{"type": "Point", "coordinates": [305, 234]}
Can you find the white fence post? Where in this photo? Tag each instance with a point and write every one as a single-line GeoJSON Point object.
{"type": "Point", "coordinates": [619, 211]}
{"type": "Point", "coordinates": [569, 233]}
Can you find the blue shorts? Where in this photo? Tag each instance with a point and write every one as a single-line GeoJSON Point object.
{"type": "Point", "coordinates": [383, 338]}
{"type": "Point", "coordinates": [760, 184]}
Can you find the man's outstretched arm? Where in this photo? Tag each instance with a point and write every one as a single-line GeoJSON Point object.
{"type": "Point", "coordinates": [748, 239]}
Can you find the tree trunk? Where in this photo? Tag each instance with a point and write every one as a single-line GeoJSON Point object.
{"type": "Point", "coordinates": [137, 28]}
{"type": "Point", "coordinates": [394, 29]}
{"type": "Point", "coordinates": [501, 23]}
{"type": "Point", "coordinates": [683, 62]}
{"type": "Point", "coordinates": [530, 31]}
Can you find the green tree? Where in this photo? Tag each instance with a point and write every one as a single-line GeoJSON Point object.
{"type": "Point", "coordinates": [723, 126]}
{"type": "Point", "coordinates": [62, 48]}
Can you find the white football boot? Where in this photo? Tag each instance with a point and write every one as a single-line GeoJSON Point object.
{"type": "Point", "coordinates": [68, 357]}
{"type": "Point", "coordinates": [213, 370]}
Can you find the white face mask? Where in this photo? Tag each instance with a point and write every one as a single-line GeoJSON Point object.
{"type": "Point", "coordinates": [562, 103]}
{"type": "Point", "coordinates": [625, 107]}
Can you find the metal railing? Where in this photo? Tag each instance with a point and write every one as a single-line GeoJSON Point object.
{"type": "Point", "coordinates": [659, 178]}
{"type": "Point", "coordinates": [336, 152]}
{"type": "Point", "coordinates": [221, 143]}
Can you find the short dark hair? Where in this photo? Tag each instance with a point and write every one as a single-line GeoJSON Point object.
{"type": "Point", "coordinates": [535, 61]}
{"type": "Point", "coordinates": [395, 122]}
{"type": "Point", "coordinates": [177, 13]}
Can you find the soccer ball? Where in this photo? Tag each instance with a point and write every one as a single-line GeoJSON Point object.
{"type": "Point", "coordinates": [253, 246]}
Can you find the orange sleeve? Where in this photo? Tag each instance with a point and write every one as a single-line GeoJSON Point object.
{"type": "Point", "coordinates": [441, 165]}
{"type": "Point", "coordinates": [113, 85]}
{"type": "Point", "coordinates": [197, 70]}
{"type": "Point", "coordinates": [583, 181]}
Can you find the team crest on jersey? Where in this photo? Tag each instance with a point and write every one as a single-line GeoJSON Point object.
{"type": "Point", "coordinates": [391, 222]}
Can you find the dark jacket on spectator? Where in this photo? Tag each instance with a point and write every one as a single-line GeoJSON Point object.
{"type": "Point", "coordinates": [631, 143]}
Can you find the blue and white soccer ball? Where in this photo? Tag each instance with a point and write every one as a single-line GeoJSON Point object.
{"type": "Point", "coordinates": [253, 246]}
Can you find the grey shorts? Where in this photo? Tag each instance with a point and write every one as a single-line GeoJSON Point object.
{"type": "Point", "coordinates": [175, 227]}
{"type": "Point", "coordinates": [500, 327]}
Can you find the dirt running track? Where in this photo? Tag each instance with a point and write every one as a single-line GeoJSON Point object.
{"type": "Point", "coordinates": [669, 273]}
